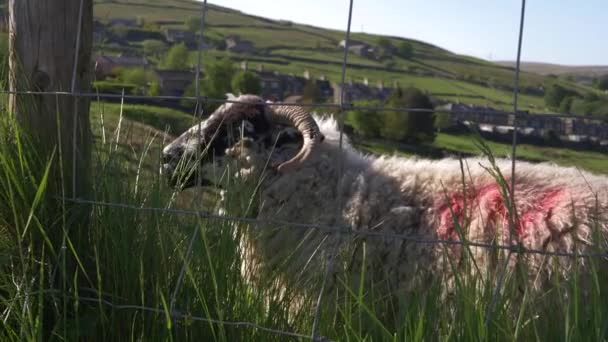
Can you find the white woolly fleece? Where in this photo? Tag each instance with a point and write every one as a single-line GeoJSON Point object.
{"type": "Point", "coordinates": [557, 210]}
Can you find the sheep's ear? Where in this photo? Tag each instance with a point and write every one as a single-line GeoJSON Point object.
{"type": "Point", "coordinates": [288, 136]}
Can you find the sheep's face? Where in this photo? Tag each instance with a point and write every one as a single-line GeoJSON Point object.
{"type": "Point", "coordinates": [236, 140]}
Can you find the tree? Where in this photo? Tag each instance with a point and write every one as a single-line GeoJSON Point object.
{"type": "Point", "coordinates": [154, 89]}
{"type": "Point", "coordinates": [602, 82]}
{"type": "Point", "coordinates": [216, 83]}
{"type": "Point", "coordinates": [50, 26]}
{"type": "Point", "coordinates": [311, 92]}
{"type": "Point", "coordinates": [442, 121]}
{"type": "Point", "coordinates": [385, 46]}
{"type": "Point", "coordinates": [193, 24]}
{"type": "Point", "coordinates": [177, 58]}
{"type": "Point", "coordinates": [405, 50]}
{"type": "Point", "coordinates": [413, 126]}
{"type": "Point", "coordinates": [566, 104]}
{"type": "Point", "coordinates": [140, 77]}
{"type": "Point", "coordinates": [246, 82]}
{"type": "Point", "coordinates": [120, 31]}
{"type": "Point", "coordinates": [555, 94]}
{"type": "Point", "coordinates": [153, 47]}
{"type": "Point", "coordinates": [384, 43]}
{"type": "Point", "coordinates": [366, 123]}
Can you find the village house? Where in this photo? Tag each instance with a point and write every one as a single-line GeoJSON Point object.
{"type": "Point", "coordinates": [355, 91]}
{"type": "Point", "coordinates": [359, 48]}
{"type": "Point", "coordinates": [272, 87]}
{"type": "Point", "coordinates": [177, 36]}
{"type": "Point", "coordinates": [237, 45]}
{"type": "Point", "coordinates": [174, 82]}
{"type": "Point", "coordinates": [275, 86]}
{"type": "Point", "coordinates": [293, 85]}
{"type": "Point", "coordinates": [123, 22]}
{"type": "Point", "coordinates": [327, 91]}
{"type": "Point", "coordinates": [490, 120]}
{"type": "Point", "coordinates": [106, 65]}
{"type": "Point", "coordinates": [99, 32]}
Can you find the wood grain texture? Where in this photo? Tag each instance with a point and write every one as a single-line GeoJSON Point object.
{"type": "Point", "coordinates": [42, 44]}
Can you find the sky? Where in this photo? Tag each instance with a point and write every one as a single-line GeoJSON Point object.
{"type": "Point", "coordinates": [570, 32]}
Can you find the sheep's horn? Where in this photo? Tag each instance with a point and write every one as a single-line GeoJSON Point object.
{"type": "Point", "coordinates": [305, 124]}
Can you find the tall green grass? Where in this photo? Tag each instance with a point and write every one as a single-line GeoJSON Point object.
{"type": "Point", "coordinates": [55, 287]}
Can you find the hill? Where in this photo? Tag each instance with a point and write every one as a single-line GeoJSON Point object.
{"type": "Point", "coordinates": [289, 47]}
{"type": "Point", "coordinates": [559, 69]}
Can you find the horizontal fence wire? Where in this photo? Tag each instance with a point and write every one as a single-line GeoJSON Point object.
{"type": "Point", "coordinates": [337, 106]}
{"type": "Point", "coordinates": [176, 314]}
{"type": "Point", "coordinates": [334, 229]}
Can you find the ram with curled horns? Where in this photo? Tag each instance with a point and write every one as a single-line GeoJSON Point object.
{"type": "Point", "coordinates": [293, 156]}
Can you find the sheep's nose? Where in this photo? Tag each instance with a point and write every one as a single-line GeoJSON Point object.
{"type": "Point", "coordinates": [167, 158]}
{"type": "Point", "coordinates": [172, 153]}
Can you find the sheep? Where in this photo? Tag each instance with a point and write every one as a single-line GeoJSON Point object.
{"type": "Point", "coordinates": [292, 158]}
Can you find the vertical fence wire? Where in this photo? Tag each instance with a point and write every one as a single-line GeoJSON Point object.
{"type": "Point", "coordinates": [513, 211]}
{"type": "Point", "coordinates": [198, 114]}
{"type": "Point", "coordinates": [334, 255]}
{"type": "Point", "coordinates": [76, 99]}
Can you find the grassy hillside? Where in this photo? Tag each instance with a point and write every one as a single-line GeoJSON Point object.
{"type": "Point", "coordinates": [292, 48]}
{"type": "Point", "coordinates": [558, 69]}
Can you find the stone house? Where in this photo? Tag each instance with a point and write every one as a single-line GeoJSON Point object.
{"type": "Point", "coordinates": [359, 48]}
{"type": "Point", "coordinates": [106, 65]}
{"type": "Point", "coordinates": [272, 85]}
{"type": "Point", "coordinates": [353, 91]}
{"type": "Point", "coordinates": [177, 36]}
{"type": "Point", "coordinates": [123, 22]}
{"type": "Point", "coordinates": [237, 45]}
{"type": "Point", "coordinates": [174, 82]}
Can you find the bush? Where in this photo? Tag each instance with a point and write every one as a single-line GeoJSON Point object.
{"type": "Point", "coordinates": [153, 47]}
{"type": "Point", "coordinates": [138, 76]}
{"type": "Point", "coordinates": [442, 121]}
{"type": "Point", "coordinates": [366, 123]}
{"type": "Point", "coordinates": [602, 82]}
{"type": "Point", "coordinates": [111, 87]}
{"type": "Point", "coordinates": [555, 94]}
{"type": "Point", "coordinates": [138, 35]}
{"type": "Point", "coordinates": [177, 58]}
{"type": "Point", "coordinates": [216, 83]}
{"type": "Point", "coordinates": [597, 107]}
{"type": "Point", "coordinates": [246, 82]}
{"type": "Point", "coordinates": [413, 127]}
{"type": "Point", "coordinates": [154, 89]}
{"type": "Point", "coordinates": [566, 104]}
{"type": "Point", "coordinates": [311, 92]}
{"type": "Point", "coordinates": [395, 125]}
{"type": "Point", "coordinates": [405, 50]}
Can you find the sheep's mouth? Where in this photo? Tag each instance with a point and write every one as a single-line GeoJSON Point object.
{"type": "Point", "coordinates": [183, 180]}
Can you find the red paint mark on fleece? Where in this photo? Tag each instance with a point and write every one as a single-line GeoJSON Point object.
{"type": "Point", "coordinates": [542, 210]}
{"type": "Point", "coordinates": [488, 202]}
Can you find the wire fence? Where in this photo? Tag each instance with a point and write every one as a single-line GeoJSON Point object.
{"type": "Point", "coordinates": [341, 108]}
